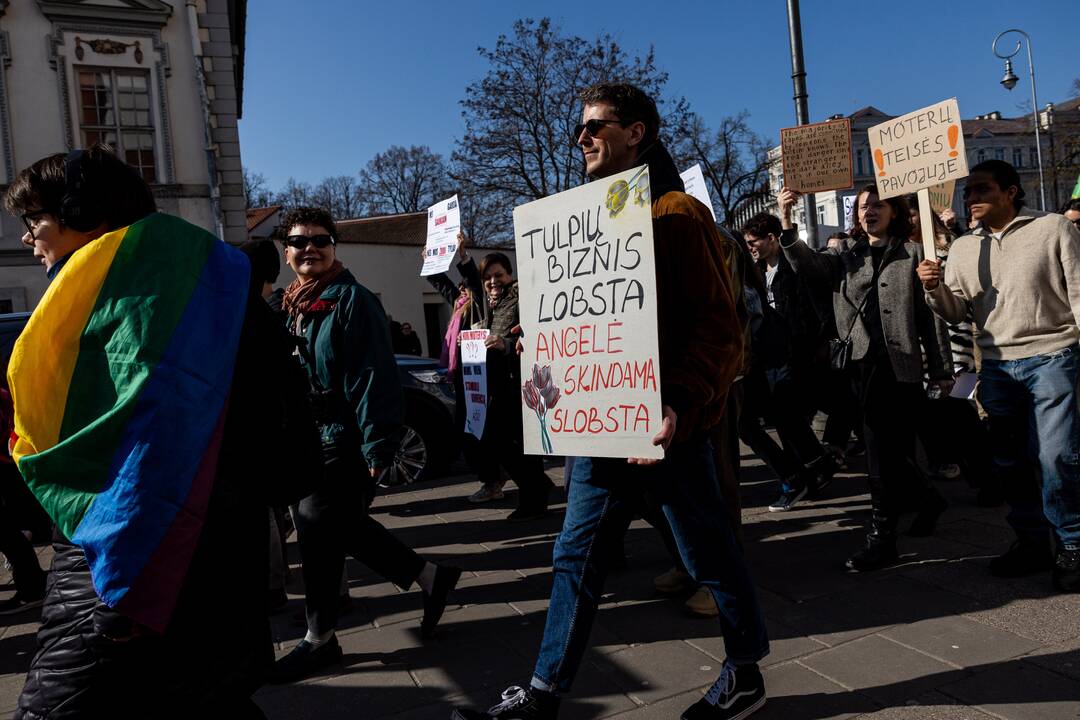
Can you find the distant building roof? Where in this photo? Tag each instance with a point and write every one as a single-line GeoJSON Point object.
{"type": "Point", "coordinates": [404, 229]}
{"type": "Point", "coordinates": [257, 216]}
{"type": "Point", "coordinates": [995, 126]}
{"type": "Point", "coordinates": [868, 111]}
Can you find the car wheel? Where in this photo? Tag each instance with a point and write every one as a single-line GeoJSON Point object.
{"type": "Point", "coordinates": [411, 460]}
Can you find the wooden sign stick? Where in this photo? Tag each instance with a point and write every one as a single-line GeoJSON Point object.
{"type": "Point", "coordinates": [926, 219]}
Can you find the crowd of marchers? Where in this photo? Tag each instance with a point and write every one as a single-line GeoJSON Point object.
{"type": "Point", "coordinates": [757, 330]}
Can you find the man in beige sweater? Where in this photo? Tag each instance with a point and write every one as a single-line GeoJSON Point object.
{"type": "Point", "coordinates": [1018, 277]}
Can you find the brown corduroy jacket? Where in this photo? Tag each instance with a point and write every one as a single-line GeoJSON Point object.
{"type": "Point", "coordinates": [701, 338]}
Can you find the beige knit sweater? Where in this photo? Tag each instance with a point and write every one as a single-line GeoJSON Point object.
{"type": "Point", "coordinates": [1023, 291]}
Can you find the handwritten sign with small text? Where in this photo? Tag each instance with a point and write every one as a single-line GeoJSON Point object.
{"type": "Point", "coordinates": [817, 157]}
{"type": "Point", "coordinates": [443, 225]}
{"type": "Point", "coordinates": [588, 312]}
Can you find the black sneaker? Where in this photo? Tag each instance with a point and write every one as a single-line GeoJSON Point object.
{"type": "Point", "coordinates": [18, 603]}
{"type": "Point", "coordinates": [1023, 558]}
{"type": "Point", "coordinates": [446, 579]}
{"type": "Point", "coordinates": [821, 473]}
{"type": "Point", "coordinates": [738, 693]}
{"type": "Point", "coordinates": [876, 554]}
{"type": "Point", "coordinates": [517, 704]}
{"type": "Point", "coordinates": [1066, 572]}
{"type": "Point", "coordinates": [788, 499]}
{"type": "Point", "coordinates": [304, 660]}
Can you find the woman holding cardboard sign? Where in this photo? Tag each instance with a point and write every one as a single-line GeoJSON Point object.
{"type": "Point", "coordinates": [883, 319]}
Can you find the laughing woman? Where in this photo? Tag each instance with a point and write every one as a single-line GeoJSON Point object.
{"type": "Point", "coordinates": [881, 311]}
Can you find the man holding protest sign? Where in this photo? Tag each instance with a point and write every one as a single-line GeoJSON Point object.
{"type": "Point", "coordinates": [1018, 276]}
{"type": "Point", "coordinates": [700, 347]}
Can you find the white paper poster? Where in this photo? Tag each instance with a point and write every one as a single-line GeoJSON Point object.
{"type": "Point", "coordinates": [474, 376]}
{"type": "Point", "coordinates": [587, 283]}
{"type": "Point", "coordinates": [918, 150]}
{"type": "Point", "coordinates": [443, 226]}
{"type": "Point", "coordinates": [694, 181]}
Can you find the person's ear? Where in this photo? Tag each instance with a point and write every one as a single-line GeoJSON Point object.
{"type": "Point", "coordinates": [637, 133]}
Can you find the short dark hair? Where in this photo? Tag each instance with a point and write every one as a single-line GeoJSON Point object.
{"type": "Point", "coordinates": [839, 236]}
{"type": "Point", "coordinates": [630, 103]}
{"type": "Point", "coordinates": [761, 225]}
{"type": "Point", "coordinates": [899, 226]}
{"type": "Point", "coordinates": [496, 258]}
{"type": "Point", "coordinates": [318, 216]}
{"type": "Point", "coordinates": [265, 260]}
{"type": "Point", "coordinates": [1073, 204]}
{"type": "Point", "coordinates": [1004, 175]}
{"type": "Point", "coordinates": [117, 190]}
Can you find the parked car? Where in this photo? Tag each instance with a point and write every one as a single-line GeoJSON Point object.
{"type": "Point", "coordinates": [429, 437]}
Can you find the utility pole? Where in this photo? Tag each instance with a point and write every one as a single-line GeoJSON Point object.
{"type": "Point", "coordinates": [802, 112]}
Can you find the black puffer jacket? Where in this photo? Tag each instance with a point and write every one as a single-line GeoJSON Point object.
{"type": "Point", "coordinates": [92, 663]}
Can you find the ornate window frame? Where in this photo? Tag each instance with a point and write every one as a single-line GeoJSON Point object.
{"type": "Point", "coordinates": [68, 37]}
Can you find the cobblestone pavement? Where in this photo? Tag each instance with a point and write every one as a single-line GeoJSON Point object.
{"type": "Point", "coordinates": [935, 637]}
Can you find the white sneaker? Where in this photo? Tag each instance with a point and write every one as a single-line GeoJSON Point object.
{"type": "Point", "coordinates": [487, 493]}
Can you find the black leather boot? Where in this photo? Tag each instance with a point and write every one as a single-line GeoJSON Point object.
{"type": "Point", "coordinates": [879, 549]}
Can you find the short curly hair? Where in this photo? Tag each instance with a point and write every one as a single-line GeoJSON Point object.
{"type": "Point", "coordinates": [318, 216]}
{"type": "Point", "coordinates": [630, 103]}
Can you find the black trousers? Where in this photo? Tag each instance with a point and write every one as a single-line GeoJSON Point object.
{"type": "Point", "coordinates": [890, 411]}
{"type": "Point", "coordinates": [502, 446]}
{"type": "Point", "coordinates": [333, 521]}
{"type": "Point", "coordinates": [772, 394]}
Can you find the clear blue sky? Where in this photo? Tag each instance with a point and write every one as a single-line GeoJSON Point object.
{"type": "Point", "coordinates": [329, 83]}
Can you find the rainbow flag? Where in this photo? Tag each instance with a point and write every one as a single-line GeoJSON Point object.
{"type": "Point", "coordinates": [120, 381]}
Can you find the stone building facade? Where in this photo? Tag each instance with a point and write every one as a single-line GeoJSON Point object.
{"type": "Point", "coordinates": [161, 81]}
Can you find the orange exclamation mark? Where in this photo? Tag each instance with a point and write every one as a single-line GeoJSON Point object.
{"type": "Point", "coordinates": [880, 160]}
{"type": "Point", "coordinates": [954, 135]}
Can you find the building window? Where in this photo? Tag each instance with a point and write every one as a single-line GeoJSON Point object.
{"type": "Point", "coordinates": [999, 153]}
{"type": "Point", "coordinates": [1033, 158]}
{"type": "Point", "coordinates": [859, 162]}
{"type": "Point", "coordinates": [980, 155]}
{"type": "Point", "coordinates": [115, 110]}
{"type": "Point", "coordinates": [1018, 157]}
{"type": "Point", "coordinates": [821, 215]}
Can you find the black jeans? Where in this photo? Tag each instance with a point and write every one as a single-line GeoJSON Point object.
{"type": "Point", "coordinates": [334, 521]}
{"type": "Point", "coordinates": [27, 573]}
{"type": "Point", "coordinates": [890, 411]}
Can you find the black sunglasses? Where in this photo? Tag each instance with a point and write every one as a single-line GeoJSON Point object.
{"type": "Point", "coordinates": [594, 126]}
{"type": "Point", "coordinates": [299, 242]}
{"type": "Point", "coordinates": [28, 218]}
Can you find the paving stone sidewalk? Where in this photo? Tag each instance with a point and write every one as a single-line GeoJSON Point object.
{"type": "Point", "coordinates": [935, 637]}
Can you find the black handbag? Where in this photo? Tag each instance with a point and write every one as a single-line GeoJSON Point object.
{"type": "Point", "coordinates": [840, 350]}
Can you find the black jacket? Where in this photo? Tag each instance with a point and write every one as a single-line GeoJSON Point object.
{"type": "Point", "coordinates": [797, 306]}
{"type": "Point", "coordinates": [218, 644]}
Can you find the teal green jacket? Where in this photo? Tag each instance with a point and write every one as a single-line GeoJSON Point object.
{"type": "Point", "coordinates": [349, 340]}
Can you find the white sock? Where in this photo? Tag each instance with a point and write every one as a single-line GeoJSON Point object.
{"type": "Point", "coordinates": [318, 640]}
{"type": "Point", "coordinates": [426, 580]}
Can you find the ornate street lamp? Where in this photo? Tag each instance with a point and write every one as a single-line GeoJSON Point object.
{"type": "Point", "coordinates": [1009, 82]}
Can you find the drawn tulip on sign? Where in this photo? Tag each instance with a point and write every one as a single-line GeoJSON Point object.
{"type": "Point", "coordinates": [541, 395]}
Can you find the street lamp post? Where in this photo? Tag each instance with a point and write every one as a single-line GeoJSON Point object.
{"type": "Point", "coordinates": [802, 112]}
{"type": "Point", "coordinates": [1009, 82]}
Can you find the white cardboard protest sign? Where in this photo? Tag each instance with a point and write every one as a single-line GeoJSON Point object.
{"type": "Point", "coordinates": [587, 299]}
{"type": "Point", "coordinates": [918, 150]}
{"type": "Point", "coordinates": [443, 226]}
{"type": "Point", "coordinates": [817, 157]}
{"type": "Point", "coordinates": [694, 182]}
{"type": "Point", "coordinates": [474, 377]}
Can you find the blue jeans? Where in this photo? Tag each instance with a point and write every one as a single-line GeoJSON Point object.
{"type": "Point", "coordinates": [603, 496]}
{"type": "Point", "coordinates": [1035, 434]}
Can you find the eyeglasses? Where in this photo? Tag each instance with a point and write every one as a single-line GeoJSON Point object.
{"type": "Point", "coordinates": [299, 242]}
{"type": "Point", "coordinates": [30, 219]}
{"type": "Point", "coordinates": [593, 127]}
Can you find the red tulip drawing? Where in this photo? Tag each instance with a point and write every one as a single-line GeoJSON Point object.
{"type": "Point", "coordinates": [540, 395]}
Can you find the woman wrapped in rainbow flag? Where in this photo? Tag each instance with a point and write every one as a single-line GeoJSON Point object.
{"type": "Point", "coordinates": [146, 384]}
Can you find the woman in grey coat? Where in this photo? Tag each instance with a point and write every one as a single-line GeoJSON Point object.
{"type": "Point", "coordinates": [880, 308]}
